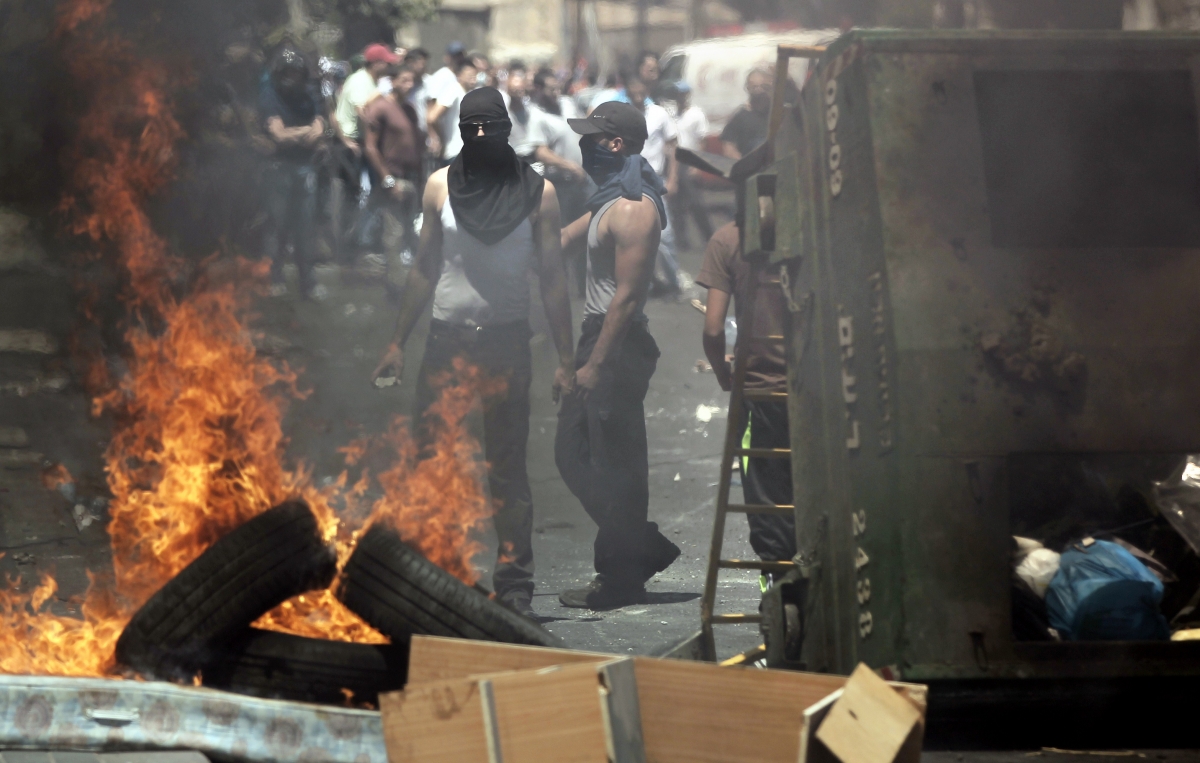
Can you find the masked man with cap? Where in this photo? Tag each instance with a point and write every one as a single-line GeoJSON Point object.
{"type": "Point", "coordinates": [600, 447]}
{"type": "Point", "coordinates": [489, 219]}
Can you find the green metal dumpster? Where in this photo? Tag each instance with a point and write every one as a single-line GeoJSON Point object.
{"type": "Point", "coordinates": [992, 243]}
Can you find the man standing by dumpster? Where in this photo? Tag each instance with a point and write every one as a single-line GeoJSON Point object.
{"type": "Point", "coordinates": [600, 447]}
{"type": "Point", "coordinates": [765, 481]}
{"type": "Point", "coordinates": [489, 219]}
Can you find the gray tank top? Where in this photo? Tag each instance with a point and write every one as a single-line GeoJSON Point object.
{"type": "Point", "coordinates": [483, 284]}
{"type": "Point", "coordinates": [601, 269]}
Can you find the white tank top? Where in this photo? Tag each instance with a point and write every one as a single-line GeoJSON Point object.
{"type": "Point", "coordinates": [483, 284]}
{"type": "Point", "coordinates": [602, 269]}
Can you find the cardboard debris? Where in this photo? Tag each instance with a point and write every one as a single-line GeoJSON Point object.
{"type": "Point", "coordinates": [867, 721]}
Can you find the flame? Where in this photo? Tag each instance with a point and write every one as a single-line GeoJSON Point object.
{"type": "Point", "coordinates": [198, 444]}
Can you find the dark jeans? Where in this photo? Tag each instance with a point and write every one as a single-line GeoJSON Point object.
{"type": "Point", "coordinates": [601, 452]}
{"type": "Point", "coordinates": [500, 351]}
{"type": "Point", "coordinates": [769, 481]}
{"type": "Point", "coordinates": [291, 190]}
{"type": "Point", "coordinates": [688, 201]}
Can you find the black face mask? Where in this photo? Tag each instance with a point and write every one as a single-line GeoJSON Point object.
{"type": "Point", "coordinates": [598, 161]}
{"type": "Point", "coordinates": [485, 154]}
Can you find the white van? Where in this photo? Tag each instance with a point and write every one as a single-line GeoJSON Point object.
{"type": "Point", "coordinates": [716, 68]}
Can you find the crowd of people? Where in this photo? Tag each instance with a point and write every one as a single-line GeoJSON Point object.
{"type": "Point", "coordinates": [510, 176]}
{"type": "Point", "coordinates": [355, 142]}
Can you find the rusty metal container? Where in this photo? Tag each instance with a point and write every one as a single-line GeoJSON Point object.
{"type": "Point", "coordinates": [992, 242]}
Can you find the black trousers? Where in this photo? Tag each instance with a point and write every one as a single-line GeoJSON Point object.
{"type": "Point", "coordinates": [500, 351]}
{"type": "Point", "coordinates": [769, 481]}
{"type": "Point", "coordinates": [601, 452]}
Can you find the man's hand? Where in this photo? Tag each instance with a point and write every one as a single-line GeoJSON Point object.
{"type": "Point", "coordinates": [577, 172]}
{"type": "Point", "coordinates": [392, 365]}
{"type": "Point", "coordinates": [586, 379]}
{"type": "Point", "coordinates": [564, 380]}
{"type": "Point", "coordinates": [672, 186]}
{"type": "Point", "coordinates": [435, 144]}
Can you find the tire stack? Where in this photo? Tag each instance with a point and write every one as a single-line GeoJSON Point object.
{"type": "Point", "coordinates": [199, 622]}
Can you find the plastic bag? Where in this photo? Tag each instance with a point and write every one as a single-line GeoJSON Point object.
{"type": "Point", "coordinates": [1178, 498]}
{"type": "Point", "coordinates": [1103, 593]}
{"type": "Point", "coordinates": [1038, 568]}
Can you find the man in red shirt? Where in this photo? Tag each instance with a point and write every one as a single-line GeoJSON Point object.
{"type": "Point", "coordinates": [393, 146]}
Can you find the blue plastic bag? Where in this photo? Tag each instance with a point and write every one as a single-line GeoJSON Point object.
{"type": "Point", "coordinates": [1103, 593]}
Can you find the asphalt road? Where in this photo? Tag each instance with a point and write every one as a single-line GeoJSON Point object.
{"type": "Point", "coordinates": [337, 342]}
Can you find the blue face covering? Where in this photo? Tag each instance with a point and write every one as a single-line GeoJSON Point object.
{"type": "Point", "coordinates": [629, 177]}
{"type": "Point", "coordinates": [598, 161]}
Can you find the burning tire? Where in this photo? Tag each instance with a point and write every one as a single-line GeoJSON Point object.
{"type": "Point", "coordinates": [261, 564]}
{"type": "Point", "coordinates": [281, 666]}
{"type": "Point", "coordinates": [398, 591]}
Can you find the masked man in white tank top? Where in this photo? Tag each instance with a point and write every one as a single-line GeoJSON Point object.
{"type": "Point", "coordinates": [489, 219]}
{"type": "Point", "coordinates": [600, 447]}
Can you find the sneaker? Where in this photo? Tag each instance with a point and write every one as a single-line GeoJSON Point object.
{"type": "Point", "coordinates": [602, 593]}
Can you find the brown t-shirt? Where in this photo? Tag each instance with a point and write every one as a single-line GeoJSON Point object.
{"type": "Point", "coordinates": [726, 270]}
{"type": "Point", "coordinates": [398, 136]}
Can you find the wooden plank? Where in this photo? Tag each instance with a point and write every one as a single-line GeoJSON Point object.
{"type": "Point", "coordinates": [434, 658]}
{"type": "Point", "coordinates": [551, 715]}
{"type": "Point", "coordinates": [586, 712]}
{"type": "Point", "coordinates": [435, 722]}
{"type": "Point", "coordinates": [697, 713]}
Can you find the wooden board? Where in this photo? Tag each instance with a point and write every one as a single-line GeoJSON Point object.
{"type": "Point", "coordinates": [433, 658]}
{"type": "Point", "coordinates": [435, 722]}
{"type": "Point", "coordinates": [696, 712]}
{"type": "Point", "coordinates": [586, 712]}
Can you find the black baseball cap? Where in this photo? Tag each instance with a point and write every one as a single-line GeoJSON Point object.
{"type": "Point", "coordinates": [613, 118]}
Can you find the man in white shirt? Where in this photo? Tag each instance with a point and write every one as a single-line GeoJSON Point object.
{"type": "Point", "coordinates": [417, 61]}
{"type": "Point", "coordinates": [693, 129]}
{"type": "Point", "coordinates": [445, 141]}
{"type": "Point", "coordinates": [455, 53]}
{"type": "Point", "coordinates": [662, 136]}
{"type": "Point", "coordinates": [519, 113]}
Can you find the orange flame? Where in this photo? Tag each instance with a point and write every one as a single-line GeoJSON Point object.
{"type": "Point", "coordinates": [198, 442]}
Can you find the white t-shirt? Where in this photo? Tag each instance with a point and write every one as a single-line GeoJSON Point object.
{"type": "Point", "coordinates": [522, 123]}
{"type": "Point", "coordinates": [451, 98]}
{"type": "Point", "coordinates": [693, 127]}
{"type": "Point", "coordinates": [660, 128]}
{"type": "Point", "coordinates": [357, 92]}
{"type": "Point", "coordinates": [553, 132]}
{"type": "Point", "coordinates": [570, 110]}
{"type": "Point", "coordinates": [434, 83]}
{"type": "Point", "coordinates": [419, 98]}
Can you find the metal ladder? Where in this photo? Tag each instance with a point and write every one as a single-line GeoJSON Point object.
{"type": "Point", "coordinates": [734, 449]}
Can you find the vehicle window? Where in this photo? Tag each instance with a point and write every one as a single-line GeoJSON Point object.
{"type": "Point", "coordinates": [672, 68]}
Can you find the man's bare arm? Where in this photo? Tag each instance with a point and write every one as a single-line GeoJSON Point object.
{"type": "Point", "coordinates": [635, 230]}
{"type": "Point", "coordinates": [422, 277]}
{"type": "Point", "coordinates": [576, 230]}
{"type": "Point", "coordinates": [671, 168]}
{"type": "Point", "coordinates": [547, 157]}
{"type": "Point", "coordinates": [714, 336]}
{"type": "Point", "coordinates": [371, 148]}
{"type": "Point", "coordinates": [552, 280]}
{"type": "Point", "coordinates": [730, 150]}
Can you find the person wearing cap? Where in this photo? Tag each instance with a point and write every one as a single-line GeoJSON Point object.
{"type": "Point", "coordinates": [360, 88]}
{"type": "Point", "coordinates": [489, 219]}
{"type": "Point", "coordinates": [600, 447]}
{"type": "Point", "coordinates": [693, 129]}
{"type": "Point", "coordinates": [296, 129]}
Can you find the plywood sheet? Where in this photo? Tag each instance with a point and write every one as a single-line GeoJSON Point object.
{"type": "Point", "coordinates": [433, 658]}
{"type": "Point", "coordinates": [696, 712]}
